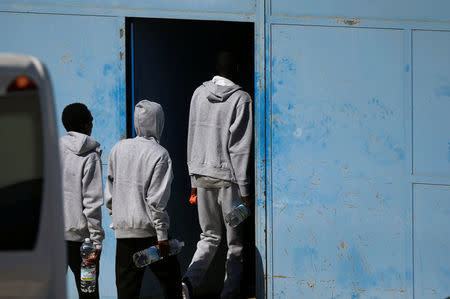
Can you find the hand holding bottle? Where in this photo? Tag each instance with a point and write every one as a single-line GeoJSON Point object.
{"type": "Point", "coordinates": [94, 257]}
{"type": "Point", "coordinates": [193, 198]}
{"type": "Point", "coordinates": [246, 200]}
{"type": "Point", "coordinates": [163, 248]}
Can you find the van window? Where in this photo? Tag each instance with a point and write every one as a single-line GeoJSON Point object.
{"type": "Point", "coordinates": [21, 174]}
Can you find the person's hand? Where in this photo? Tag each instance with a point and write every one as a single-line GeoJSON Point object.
{"type": "Point", "coordinates": [193, 198]}
{"type": "Point", "coordinates": [247, 201]}
{"type": "Point", "coordinates": [94, 257]}
{"type": "Point", "coordinates": [164, 248]}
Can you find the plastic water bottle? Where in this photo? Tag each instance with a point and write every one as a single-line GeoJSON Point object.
{"type": "Point", "coordinates": [150, 255]}
{"type": "Point", "coordinates": [237, 215]}
{"type": "Point", "coordinates": [88, 271]}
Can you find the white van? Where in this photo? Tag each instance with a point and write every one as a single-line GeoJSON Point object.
{"type": "Point", "coordinates": [32, 251]}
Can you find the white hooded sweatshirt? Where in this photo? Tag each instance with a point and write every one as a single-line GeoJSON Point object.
{"type": "Point", "coordinates": [140, 177]}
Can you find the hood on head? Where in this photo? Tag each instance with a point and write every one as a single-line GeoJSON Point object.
{"type": "Point", "coordinates": [148, 119]}
{"type": "Point", "coordinates": [219, 93]}
{"type": "Point", "coordinates": [79, 143]}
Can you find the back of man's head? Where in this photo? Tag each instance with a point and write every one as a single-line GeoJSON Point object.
{"type": "Point", "coordinates": [77, 117]}
{"type": "Point", "coordinates": [227, 65]}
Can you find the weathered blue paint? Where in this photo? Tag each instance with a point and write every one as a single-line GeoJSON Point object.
{"type": "Point", "coordinates": [339, 173]}
{"type": "Point", "coordinates": [431, 241]}
{"type": "Point", "coordinates": [133, 100]}
{"type": "Point", "coordinates": [436, 10]}
{"type": "Point", "coordinates": [83, 56]}
{"type": "Point", "coordinates": [431, 104]}
{"type": "Point", "coordinates": [235, 10]}
{"type": "Point", "coordinates": [261, 252]}
{"type": "Point", "coordinates": [352, 148]}
{"type": "Point", "coordinates": [211, 6]}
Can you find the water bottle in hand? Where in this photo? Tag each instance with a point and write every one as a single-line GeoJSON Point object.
{"type": "Point", "coordinates": [237, 215]}
{"type": "Point", "coordinates": [88, 271]}
{"type": "Point", "coordinates": [150, 255]}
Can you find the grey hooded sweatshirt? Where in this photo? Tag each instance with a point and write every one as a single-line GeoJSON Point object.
{"type": "Point", "coordinates": [220, 134]}
{"type": "Point", "coordinates": [139, 178]}
{"type": "Point", "coordinates": [83, 187]}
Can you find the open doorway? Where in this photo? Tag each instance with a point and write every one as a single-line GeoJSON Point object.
{"type": "Point", "coordinates": [166, 61]}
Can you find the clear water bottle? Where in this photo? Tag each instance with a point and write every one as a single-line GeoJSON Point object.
{"type": "Point", "coordinates": [150, 255]}
{"type": "Point", "coordinates": [88, 271]}
{"type": "Point", "coordinates": [237, 215]}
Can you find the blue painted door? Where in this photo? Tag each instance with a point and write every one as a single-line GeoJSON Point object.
{"type": "Point", "coordinates": [85, 59]}
{"type": "Point", "coordinates": [360, 162]}
{"type": "Point", "coordinates": [341, 198]}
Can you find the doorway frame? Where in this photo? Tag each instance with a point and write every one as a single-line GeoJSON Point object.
{"type": "Point", "coordinates": [263, 240]}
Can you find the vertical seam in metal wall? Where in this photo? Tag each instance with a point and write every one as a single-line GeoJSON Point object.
{"type": "Point", "coordinates": [411, 101]}
{"type": "Point", "coordinates": [261, 146]}
{"type": "Point", "coordinates": [122, 87]}
{"type": "Point", "coordinates": [263, 44]}
{"type": "Point", "coordinates": [269, 184]}
{"type": "Point", "coordinates": [411, 164]}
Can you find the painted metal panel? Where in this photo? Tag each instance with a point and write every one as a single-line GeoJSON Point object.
{"type": "Point", "coordinates": [436, 10]}
{"type": "Point", "coordinates": [341, 210]}
{"type": "Point", "coordinates": [83, 55]}
{"type": "Point", "coordinates": [431, 241]}
{"type": "Point", "coordinates": [122, 7]}
{"type": "Point", "coordinates": [431, 103]}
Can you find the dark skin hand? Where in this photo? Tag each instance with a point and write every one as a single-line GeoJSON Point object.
{"type": "Point", "coordinates": [94, 257]}
{"type": "Point", "coordinates": [245, 199]}
{"type": "Point", "coordinates": [164, 248]}
{"type": "Point", "coordinates": [193, 194]}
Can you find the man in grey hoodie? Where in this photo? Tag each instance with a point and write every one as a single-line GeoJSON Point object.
{"type": "Point", "coordinates": [137, 192]}
{"type": "Point", "coordinates": [218, 153]}
{"type": "Point", "coordinates": [83, 189]}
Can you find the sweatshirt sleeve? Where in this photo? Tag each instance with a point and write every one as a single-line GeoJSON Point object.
{"type": "Point", "coordinates": [240, 145]}
{"type": "Point", "coordinates": [93, 199]}
{"type": "Point", "coordinates": [109, 184]}
{"type": "Point", "coordinates": [158, 195]}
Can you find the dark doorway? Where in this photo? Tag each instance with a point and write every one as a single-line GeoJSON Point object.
{"type": "Point", "coordinates": [166, 61]}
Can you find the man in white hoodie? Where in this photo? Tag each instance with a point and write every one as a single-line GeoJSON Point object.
{"type": "Point", "coordinates": [137, 192]}
{"type": "Point", "coordinates": [83, 189]}
{"type": "Point", "coordinates": [218, 154]}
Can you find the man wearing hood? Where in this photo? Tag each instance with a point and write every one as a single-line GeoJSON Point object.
{"type": "Point", "coordinates": [218, 153]}
{"type": "Point", "coordinates": [137, 192]}
{"type": "Point", "coordinates": [83, 189]}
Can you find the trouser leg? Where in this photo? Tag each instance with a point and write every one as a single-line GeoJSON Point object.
{"type": "Point", "coordinates": [74, 262]}
{"type": "Point", "coordinates": [128, 276]}
{"type": "Point", "coordinates": [229, 198]}
{"type": "Point", "coordinates": [168, 273]}
{"type": "Point", "coordinates": [210, 218]}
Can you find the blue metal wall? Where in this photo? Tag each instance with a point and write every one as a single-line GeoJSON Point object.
{"type": "Point", "coordinates": [352, 130]}
{"type": "Point", "coordinates": [359, 149]}
{"type": "Point", "coordinates": [85, 57]}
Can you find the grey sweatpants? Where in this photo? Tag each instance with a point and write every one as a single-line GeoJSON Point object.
{"type": "Point", "coordinates": [213, 205]}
